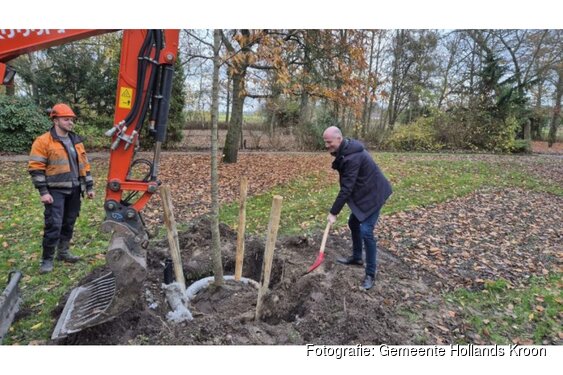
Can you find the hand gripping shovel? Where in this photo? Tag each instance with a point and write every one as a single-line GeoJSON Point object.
{"type": "Point", "coordinates": [321, 255]}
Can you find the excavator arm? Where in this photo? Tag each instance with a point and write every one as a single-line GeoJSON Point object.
{"type": "Point", "coordinates": [143, 95]}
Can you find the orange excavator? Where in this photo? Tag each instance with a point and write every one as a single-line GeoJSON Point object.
{"type": "Point", "coordinates": [143, 95]}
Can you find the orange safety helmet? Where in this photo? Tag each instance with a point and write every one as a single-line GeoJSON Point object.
{"type": "Point", "coordinates": [61, 110]}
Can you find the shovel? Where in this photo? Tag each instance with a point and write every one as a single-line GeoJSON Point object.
{"type": "Point", "coordinates": [321, 255]}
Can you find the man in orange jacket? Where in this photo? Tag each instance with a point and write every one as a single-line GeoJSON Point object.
{"type": "Point", "coordinates": [60, 170]}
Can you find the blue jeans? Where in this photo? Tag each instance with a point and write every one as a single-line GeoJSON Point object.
{"type": "Point", "coordinates": [362, 234]}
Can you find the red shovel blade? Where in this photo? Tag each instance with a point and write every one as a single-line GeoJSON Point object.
{"type": "Point", "coordinates": [318, 262]}
{"type": "Point", "coordinates": [321, 255]}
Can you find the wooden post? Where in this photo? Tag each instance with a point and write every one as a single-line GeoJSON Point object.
{"type": "Point", "coordinates": [241, 227]}
{"type": "Point", "coordinates": [172, 231]}
{"type": "Point", "coordinates": [273, 226]}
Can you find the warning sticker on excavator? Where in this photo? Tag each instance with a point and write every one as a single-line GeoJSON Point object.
{"type": "Point", "coordinates": [125, 97]}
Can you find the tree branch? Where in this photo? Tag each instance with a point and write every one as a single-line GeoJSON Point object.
{"type": "Point", "coordinates": [259, 96]}
{"type": "Point", "coordinates": [261, 67]}
{"type": "Point", "coordinates": [199, 40]}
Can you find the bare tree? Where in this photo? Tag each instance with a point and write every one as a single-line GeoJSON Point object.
{"type": "Point", "coordinates": [524, 48]}
{"type": "Point", "coordinates": [216, 239]}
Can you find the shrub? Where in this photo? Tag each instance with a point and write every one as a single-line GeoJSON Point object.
{"type": "Point", "coordinates": [310, 135]}
{"type": "Point", "coordinates": [92, 132]}
{"type": "Point", "coordinates": [378, 138]}
{"type": "Point", "coordinates": [473, 128]}
{"type": "Point", "coordinates": [21, 121]}
{"type": "Point", "coordinates": [521, 146]}
{"type": "Point", "coordinates": [418, 136]}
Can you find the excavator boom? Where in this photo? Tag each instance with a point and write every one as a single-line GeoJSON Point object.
{"type": "Point", "coordinates": [143, 94]}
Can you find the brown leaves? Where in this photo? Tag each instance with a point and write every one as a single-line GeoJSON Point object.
{"type": "Point", "coordinates": [510, 234]}
{"type": "Point", "coordinates": [543, 148]}
{"type": "Point", "coordinates": [188, 177]}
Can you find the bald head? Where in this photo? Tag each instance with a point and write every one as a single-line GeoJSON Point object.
{"type": "Point", "coordinates": [332, 137]}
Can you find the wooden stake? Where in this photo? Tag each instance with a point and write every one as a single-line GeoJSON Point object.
{"type": "Point", "coordinates": [170, 222]}
{"type": "Point", "coordinates": [241, 227]}
{"type": "Point", "coordinates": [273, 226]}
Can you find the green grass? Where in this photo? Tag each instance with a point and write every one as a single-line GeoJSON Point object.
{"type": "Point", "coordinates": [503, 313]}
{"type": "Point", "coordinates": [416, 183]}
{"type": "Point", "coordinates": [21, 230]}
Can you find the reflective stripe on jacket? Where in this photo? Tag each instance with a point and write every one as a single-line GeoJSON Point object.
{"type": "Point", "coordinates": [49, 163]}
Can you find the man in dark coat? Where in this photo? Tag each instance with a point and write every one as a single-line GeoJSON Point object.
{"type": "Point", "coordinates": [365, 189]}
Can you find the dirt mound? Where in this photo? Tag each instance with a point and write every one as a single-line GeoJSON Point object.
{"type": "Point", "coordinates": [326, 306]}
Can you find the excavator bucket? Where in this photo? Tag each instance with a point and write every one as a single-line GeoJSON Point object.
{"type": "Point", "coordinates": [113, 293]}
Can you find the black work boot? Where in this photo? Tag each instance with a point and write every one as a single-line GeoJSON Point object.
{"type": "Point", "coordinates": [47, 260]}
{"type": "Point", "coordinates": [350, 261]}
{"type": "Point", "coordinates": [65, 255]}
{"type": "Point", "coordinates": [46, 266]}
{"type": "Point", "coordinates": [368, 282]}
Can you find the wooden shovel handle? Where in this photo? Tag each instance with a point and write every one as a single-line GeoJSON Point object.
{"type": "Point", "coordinates": [325, 236]}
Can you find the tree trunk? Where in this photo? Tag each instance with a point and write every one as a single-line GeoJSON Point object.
{"type": "Point", "coordinates": [365, 120]}
{"type": "Point", "coordinates": [228, 101]}
{"type": "Point", "coordinates": [272, 124]}
{"type": "Point", "coordinates": [34, 88]}
{"type": "Point", "coordinates": [393, 95]}
{"type": "Point", "coordinates": [556, 108]}
{"type": "Point", "coordinates": [11, 89]}
{"type": "Point", "coordinates": [527, 129]}
{"type": "Point", "coordinates": [230, 152]}
{"type": "Point", "coordinates": [215, 236]}
{"type": "Point", "coordinates": [304, 107]}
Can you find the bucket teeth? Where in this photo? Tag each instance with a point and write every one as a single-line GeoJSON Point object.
{"type": "Point", "coordinates": [85, 304]}
{"type": "Point", "coordinates": [108, 296]}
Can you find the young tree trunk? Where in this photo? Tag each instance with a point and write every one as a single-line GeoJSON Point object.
{"type": "Point", "coordinates": [215, 236]}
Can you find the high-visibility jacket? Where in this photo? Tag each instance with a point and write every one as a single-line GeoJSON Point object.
{"type": "Point", "coordinates": [49, 163]}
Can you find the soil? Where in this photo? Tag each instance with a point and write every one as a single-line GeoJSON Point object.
{"type": "Point", "coordinates": [325, 306]}
{"type": "Point", "coordinates": [328, 306]}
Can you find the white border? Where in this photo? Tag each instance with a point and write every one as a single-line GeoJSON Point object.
{"type": "Point", "coordinates": [437, 14]}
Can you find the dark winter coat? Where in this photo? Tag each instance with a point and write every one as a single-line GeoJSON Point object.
{"type": "Point", "coordinates": [362, 184]}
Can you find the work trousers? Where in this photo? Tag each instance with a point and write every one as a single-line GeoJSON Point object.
{"type": "Point", "coordinates": [60, 217]}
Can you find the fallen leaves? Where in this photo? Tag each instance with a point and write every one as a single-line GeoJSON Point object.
{"type": "Point", "coordinates": [188, 177]}
{"type": "Point", "coordinates": [488, 235]}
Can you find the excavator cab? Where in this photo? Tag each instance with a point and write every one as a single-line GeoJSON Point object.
{"type": "Point", "coordinates": [143, 95]}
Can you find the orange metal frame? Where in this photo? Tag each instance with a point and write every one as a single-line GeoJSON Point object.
{"type": "Point", "coordinates": [16, 42]}
{"type": "Point", "coordinates": [121, 158]}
